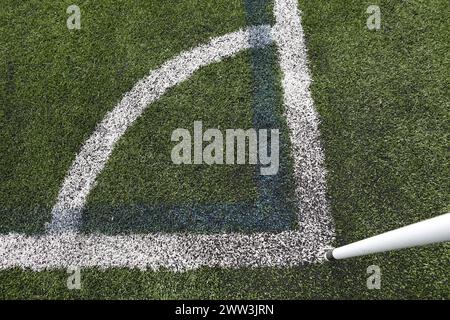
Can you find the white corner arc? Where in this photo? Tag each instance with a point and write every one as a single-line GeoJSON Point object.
{"type": "Point", "coordinates": [95, 152]}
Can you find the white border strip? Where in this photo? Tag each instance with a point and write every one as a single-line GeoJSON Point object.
{"type": "Point", "coordinates": [63, 247]}
{"type": "Point", "coordinates": [314, 217]}
{"type": "Point", "coordinates": [176, 252]}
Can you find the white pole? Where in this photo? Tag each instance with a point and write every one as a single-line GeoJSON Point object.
{"type": "Point", "coordinates": [418, 234]}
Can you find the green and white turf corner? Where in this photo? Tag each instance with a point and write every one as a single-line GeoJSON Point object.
{"type": "Point", "coordinates": [372, 200]}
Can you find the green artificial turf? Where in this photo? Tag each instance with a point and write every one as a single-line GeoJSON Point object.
{"type": "Point", "coordinates": [141, 191]}
{"type": "Point", "coordinates": [383, 101]}
{"type": "Point", "coordinates": [140, 171]}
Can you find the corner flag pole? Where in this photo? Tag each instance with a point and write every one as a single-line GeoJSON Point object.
{"type": "Point", "coordinates": [429, 231]}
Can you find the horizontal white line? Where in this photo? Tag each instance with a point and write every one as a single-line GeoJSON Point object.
{"type": "Point", "coordinates": [177, 252]}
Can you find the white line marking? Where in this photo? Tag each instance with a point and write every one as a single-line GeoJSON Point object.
{"type": "Point", "coordinates": [314, 214]}
{"type": "Point", "coordinates": [177, 252]}
{"type": "Point", "coordinates": [94, 154]}
{"type": "Point", "coordinates": [63, 246]}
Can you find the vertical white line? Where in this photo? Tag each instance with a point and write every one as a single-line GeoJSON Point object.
{"type": "Point", "coordinates": [314, 217]}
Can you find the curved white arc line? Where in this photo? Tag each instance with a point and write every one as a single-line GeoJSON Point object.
{"type": "Point", "coordinates": [94, 154]}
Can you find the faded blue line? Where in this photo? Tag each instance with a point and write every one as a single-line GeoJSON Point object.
{"type": "Point", "coordinates": [271, 190]}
